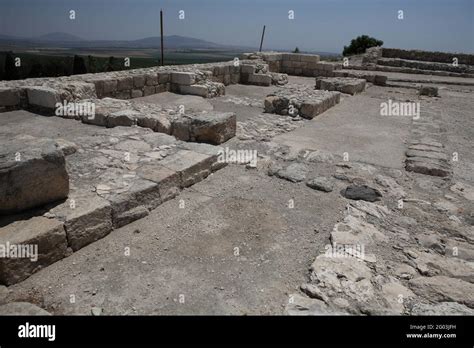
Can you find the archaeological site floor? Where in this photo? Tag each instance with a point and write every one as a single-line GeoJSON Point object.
{"type": "Point", "coordinates": [171, 229]}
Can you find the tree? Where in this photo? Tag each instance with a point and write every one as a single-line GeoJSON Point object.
{"type": "Point", "coordinates": [110, 64]}
{"type": "Point", "coordinates": [36, 70]}
{"type": "Point", "coordinates": [11, 71]}
{"type": "Point", "coordinates": [297, 50]}
{"type": "Point", "coordinates": [360, 44]}
{"type": "Point", "coordinates": [92, 64]}
{"type": "Point", "coordinates": [79, 66]}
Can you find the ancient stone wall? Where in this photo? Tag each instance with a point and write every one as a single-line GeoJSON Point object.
{"type": "Point", "coordinates": [206, 80]}
{"type": "Point", "coordinates": [428, 56]}
{"type": "Point", "coordinates": [295, 63]}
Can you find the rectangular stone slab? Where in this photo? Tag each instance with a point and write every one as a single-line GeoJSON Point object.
{"type": "Point", "coordinates": [45, 235]}
{"type": "Point", "coordinates": [86, 216]}
{"type": "Point", "coordinates": [191, 166]}
{"type": "Point", "coordinates": [42, 96]}
{"type": "Point", "coordinates": [32, 173]}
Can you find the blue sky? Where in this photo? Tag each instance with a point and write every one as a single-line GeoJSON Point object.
{"type": "Point", "coordinates": [320, 25]}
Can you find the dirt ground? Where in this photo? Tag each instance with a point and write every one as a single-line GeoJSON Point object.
{"type": "Point", "coordinates": [241, 241]}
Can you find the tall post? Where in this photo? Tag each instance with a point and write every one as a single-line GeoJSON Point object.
{"type": "Point", "coordinates": [161, 26]}
{"type": "Point", "coordinates": [261, 41]}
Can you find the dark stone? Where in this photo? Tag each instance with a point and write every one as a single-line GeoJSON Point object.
{"type": "Point", "coordinates": [362, 192]}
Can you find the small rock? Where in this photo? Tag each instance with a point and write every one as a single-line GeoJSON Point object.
{"type": "Point", "coordinates": [362, 192]}
{"type": "Point", "coordinates": [295, 172]}
{"type": "Point", "coordinates": [320, 184]}
{"type": "Point", "coordinates": [430, 91]}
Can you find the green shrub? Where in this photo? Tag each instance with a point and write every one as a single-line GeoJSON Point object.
{"type": "Point", "coordinates": [360, 44]}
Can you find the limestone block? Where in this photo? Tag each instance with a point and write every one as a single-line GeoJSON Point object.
{"type": "Point", "coordinates": [163, 77]}
{"type": "Point", "coordinates": [43, 96]}
{"type": "Point", "coordinates": [110, 86]}
{"type": "Point", "coordinates": [124, 83]}
{"type": "Point", "coordinates": [168, 181]}
{"type": "Point", "coordinates": [136, 93]}
{"type": "Point", "coordinates": [183, 78]}
{"type": "Point", "coordinates": [149, 90]}
{"type": "Point", "coordinates": [191, 166]}
{"type": "Point", "coordinates": [39, 240]}
{"type": "Point", "coordinates": [247, 68]}
{"type": "Point", "coordinates": [260, 79]}
{"type": "Point", "coordinates": [9, 96]}
{"type": "Point", "coordinates": [32, 173]}
{"type": "Point", "coordinates": [125, 118]}
{"type": "Point", "coordinates": [86, 217]}
{"type": "Point", "coordinates": [200, 90]}
{"type": "Point", "coordinates": [139, 81]}
{"type": "Point", "coordinates": [151, 79]}
{"type": "Point", "coordinates": [213, 127]}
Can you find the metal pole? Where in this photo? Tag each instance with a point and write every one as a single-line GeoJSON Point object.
{"type": "Point", "coordinates": [161, 25]}
{"type": "Point", "coordinates": [261, 41]}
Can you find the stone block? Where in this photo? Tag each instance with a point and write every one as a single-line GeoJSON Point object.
{"type": "Point", "coordinates": [168, 181]}
{"type": "Point", "coordinates": [346, 85]}
{"type": "Point", "coordinates": [191, 166]}
{"type": "Point", "coordinates": [430, 91]}
{"type": "Point", "coordinates": [40, 242]}
{"type": "Point", "coordinates": [247, 68]}
{"type": "Point", "coordinates": [183, 78]}
{"type": "Point", "coordinates": [139, 81]}
{"type": "Point", "coordinates": [124, 83]}
{"type": "Point", "coordinates": [42, 96]}
{"type": "Point", "coordinates": [126, 118]}
{"type": "Point", "coordinates": [160, 88]}
{"type": "Point", "coordinates": [163, 77]}
{"type": "Point", "coordinates": [9, 96]}
{"type": "Point", "coordinates": [110, 87]}
{"type": "Point", "coordinates": [309, 58]}
{"type": "Point", "coordinates": [213, 127]}
{"type": "Point", "coordinates": [86, 217]}
{"type": "Point", "coordinates": [199, 90]}
{"type": "Point", "coordinates": [134, 203]}
{"type": "Point", "coordinates": [32, 173]}
{"type": "Point", "coordinates": [136, 93]}
{"type": "Point", "coordinates": [151, 79]}
{"type": "Point", "coordinates": [149, 90]}
{"type": "Point", "coordinates": [260, 80]}
{"type": "Point", "coordinates": [235, 79]}
{"type": "Point", "coordinates": [126, 94]}
{"type": "Point", "coordinates": [380, 80]}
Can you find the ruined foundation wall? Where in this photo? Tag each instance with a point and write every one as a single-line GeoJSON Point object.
{"type": "Point", "coordinates": [428, 56]}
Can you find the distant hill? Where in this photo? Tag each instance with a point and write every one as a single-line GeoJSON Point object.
{"type": "Point", "coordinates": [58, 36]}
{"type": "Point", "coordinates": [65, 40]}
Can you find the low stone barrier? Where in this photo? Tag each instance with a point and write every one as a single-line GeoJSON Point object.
{"type": "Point", "coordinates": [295, 63]}
{"type": "Point", "coordinates": [205, 80]}
{"type": "Point", "coordinates": [304, 102]}
{"type": "Point", "coordinates": [346, 85]}
{"type": "Point", "coordinates": [428, 56]}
